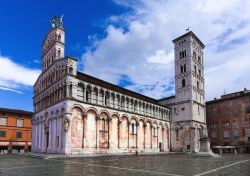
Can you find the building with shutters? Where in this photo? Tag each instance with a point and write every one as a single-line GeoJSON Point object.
{"type": "Point", "coordinates": [15, 131]}
{"type": "Point", "coordinates": [228, 120]}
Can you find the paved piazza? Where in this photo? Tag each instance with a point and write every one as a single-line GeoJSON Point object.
{"type": "Point", "coordinates": [169, 164]}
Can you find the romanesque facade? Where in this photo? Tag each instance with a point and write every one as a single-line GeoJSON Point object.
{"type": "Point", "coordinates": [79, 114]}
{"type": "Point", "coordinates": [188, 104]}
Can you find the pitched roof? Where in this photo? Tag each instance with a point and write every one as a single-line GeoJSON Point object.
{"type": "Point", "coordinates": [193, 35]}
{"type": "Point", "coordinates": [16, 111]}
{"type": "Point", "coordinates": [104, 84]}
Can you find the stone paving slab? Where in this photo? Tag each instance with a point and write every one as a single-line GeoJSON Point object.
{"type": "Point", "coordinates": [142, 165]}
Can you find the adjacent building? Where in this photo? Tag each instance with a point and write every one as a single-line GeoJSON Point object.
{"type": "Point", "coordinates": [228, 120]}
{"type": "Point", "coordinates": [79, 114]}
{"type": "Point", "coordinates": [15, 131]}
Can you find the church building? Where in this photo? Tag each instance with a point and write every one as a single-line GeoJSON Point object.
{"type": "Point", "coordinates": [76, 113]}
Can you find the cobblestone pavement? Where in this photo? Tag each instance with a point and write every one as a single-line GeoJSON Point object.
{"type": "Point", "coordinates": [169, 164]}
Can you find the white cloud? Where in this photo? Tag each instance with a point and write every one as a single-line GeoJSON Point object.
{"type": "Point", "coordinates": [141, 48]}
{"type": "Point", "coordinates": [9, 89]}
{"type": "Point", "coordinates": [14, 76]}
{"type": "Point", "coordinates": [161, 57]}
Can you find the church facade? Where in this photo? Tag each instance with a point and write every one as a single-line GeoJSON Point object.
{"type": "Point", "coordinates": [78, 114]}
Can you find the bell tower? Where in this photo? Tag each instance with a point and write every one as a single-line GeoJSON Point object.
{"type": "Point", "coordinates": [188, 104]}
{"type": "Point", "coordinates": [189, 78]}
{"type": "Point", "coordinates": [53, 44]}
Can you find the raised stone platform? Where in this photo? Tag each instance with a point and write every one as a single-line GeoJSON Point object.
{"type": "Point", "coordinates": [205, 154]}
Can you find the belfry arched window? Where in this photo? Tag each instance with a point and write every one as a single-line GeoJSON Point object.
{"type": "Point", "coordinates": [87, 96]}
{"type": "Point", "coordinates": [59, 37]}
{"type": "Point", "coordinates": [197, 84]}
{"type": "Point", "coordinates": [70, 90]}
{"type": "Point", "coordinates": [194, 55]}
{"type": "Point", "coordinates": [199, 59]}
{"type": "Point", "coordinates": [183, 83]}
{"type": "Point", "coordinates": [181, 69]}
{"type": "Point", "coordinates": [59, 53]}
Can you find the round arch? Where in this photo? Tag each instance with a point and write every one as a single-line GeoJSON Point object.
{"type": "Point", "coordinates": [77, 106]}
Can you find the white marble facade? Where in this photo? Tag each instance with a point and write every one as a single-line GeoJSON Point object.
{"type": "Point", "coordinates": [79, 114]}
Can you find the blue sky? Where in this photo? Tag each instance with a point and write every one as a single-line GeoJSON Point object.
{"type": "Point", "coordinates": [127, 43]}
{"type": "Point", "coordinates": [25, 23]}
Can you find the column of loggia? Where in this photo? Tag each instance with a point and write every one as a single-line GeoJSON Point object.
{"type": "Point", "coordinates": [55, 134]}
{"type": "Point", "coordinates": [97, 131]}
{"type": "Point", "coordinates": [128, 132]}
{"type": "Point", "coordinates": [43, 136]}
{"type": "Point", "coordinates": [92, 95]}
{"type": "Point", "coordinates": [37, 136]}
{"type": "Point", "coordinates": [60, 130]}
{"type": "Point", "coordinates": [50, 135]}
{"type": "Point", "coordinates": [37, 141]}
{"type": "Point", "coordinates": [157, 137]}
{"type": "Point", "coordinates": [40, 135]}
{"type": "Point", "coordinates": [193, 138]}
{"type": "Point", "coordinates": [34, 136]}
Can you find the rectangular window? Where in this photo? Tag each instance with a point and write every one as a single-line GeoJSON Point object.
{"type": "Point", "coordinates": [248, 109]}
{"type": "Point", "coordinates": [3, 121]}
{"type": "Point", "coordinates": [248, 132]}
{"type": "Point", "coordinates": [226, 133]}
{"type": "Point", "coordinates": [214, 134]}
{"type": "Point", "coordinates": [18, 134]}
{"type": "Point", "coordinates": [236, 133]}
{"type": "Point", "coordinates": [19, 122]}
{"type": "Point", "coordinates": [243, 132]}
{"type": "Point", "coordinates": [2, 133]}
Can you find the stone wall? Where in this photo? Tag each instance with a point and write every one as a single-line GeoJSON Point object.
{"type": "Point", "coordinates": [77, 128]}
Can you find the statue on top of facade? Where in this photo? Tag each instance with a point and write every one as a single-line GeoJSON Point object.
{"type": "Point", "coordinates": [61, 20]}
{"type": "Point", "coordinates": [55, 22]}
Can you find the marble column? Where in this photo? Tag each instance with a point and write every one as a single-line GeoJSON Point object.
{"type": "Point", "coordinates": [192, 138]}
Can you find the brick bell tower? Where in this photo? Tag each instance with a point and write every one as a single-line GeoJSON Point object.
{"type": "Point", "coordinates": [188, 104]}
